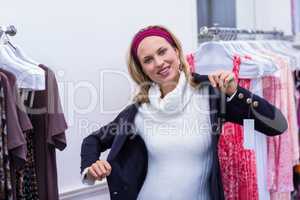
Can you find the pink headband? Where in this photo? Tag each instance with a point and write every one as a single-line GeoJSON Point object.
{"type": "Point", "coordinates": [152, 31]}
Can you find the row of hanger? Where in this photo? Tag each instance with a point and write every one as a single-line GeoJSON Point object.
{"type": "Point", "coordinates": [13, 59]}
{"type": "Point", "coordinates": [209, 56]}
{"type": "Point", "coordinates": [212, 55]}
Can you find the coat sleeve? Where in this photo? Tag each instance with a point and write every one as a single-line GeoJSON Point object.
{"type": "Point", "coordinates": [245, 105]}
{"type": "Point", "coordinates": [98, 142]}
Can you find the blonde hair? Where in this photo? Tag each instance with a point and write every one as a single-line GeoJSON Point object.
{"type": "Point", "coordinates": [143, 81]}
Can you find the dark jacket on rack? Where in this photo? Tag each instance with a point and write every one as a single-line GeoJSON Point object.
{"type": "Point", "coordinates": [128, 154]}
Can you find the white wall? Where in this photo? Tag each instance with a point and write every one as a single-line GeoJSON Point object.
{"type": "Point", "coordinates": [245, 14]}
{"type": "Point", "coordinates": [264, 14]}
{"type": "Point", "coordinates": [81, 39]}
{"type": "Point", "coordinates": [274, 14]}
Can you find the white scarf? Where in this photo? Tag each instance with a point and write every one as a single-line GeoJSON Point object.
{"type": "Point", "coordinates": [172, 103]}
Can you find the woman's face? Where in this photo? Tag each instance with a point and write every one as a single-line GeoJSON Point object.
{"type": "Point", "coordinates": [159, 59]}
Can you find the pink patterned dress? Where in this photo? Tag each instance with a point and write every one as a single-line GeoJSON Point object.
{"type": "Point", "coordinates": [238, 165]}
{"type": "Point", "coordinates": [283, 150]}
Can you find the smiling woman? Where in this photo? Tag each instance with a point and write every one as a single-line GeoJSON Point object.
{"type": "Point", "coordinates": [161, 62]}
{"type": "Point", "coordinates": [158, 156]}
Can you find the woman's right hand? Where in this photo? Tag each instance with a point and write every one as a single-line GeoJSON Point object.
{"type": "Point", "coordinates": [99, 170]}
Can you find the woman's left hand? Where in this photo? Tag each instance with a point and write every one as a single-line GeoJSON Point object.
{"type": "Point", "coordinates": [224, 80]}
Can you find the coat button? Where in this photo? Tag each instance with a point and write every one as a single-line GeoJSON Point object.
{"type": "Point", "coordinates": [241, 96]}
{"type": "Point", "coordinates": [249, 100]}
{"type": "Point", "coordinates": [255, 104]}
{"type": "Point", "coordinates": [115, 193]}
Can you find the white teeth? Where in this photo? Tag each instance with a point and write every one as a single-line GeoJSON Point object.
{"type": "Point", "coordinates": [165, 70]}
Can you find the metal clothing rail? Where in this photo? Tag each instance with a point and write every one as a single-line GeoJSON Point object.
{"type": "Point", "coordinates": [225, 33]}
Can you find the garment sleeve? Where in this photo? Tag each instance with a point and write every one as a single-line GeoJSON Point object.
{"type": "Point", "coordinates": [56, 118]}
{"type": "Point", "coordinates": [16, 141]}
{"type": "Point", "coordinates": [85, 179]}
{"type": "Point", "coordinates": [231, 97]}
{"type": "Point", "coordinates": [57, 124]}
{"type": "Point", "coordinates": [23, 118]}
{"type": "Point", "coordinates": [98, 142]}
{"type": "Point", "coordinates": [245, 105]}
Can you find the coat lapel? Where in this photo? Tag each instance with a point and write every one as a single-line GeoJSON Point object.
{"type": "Point", "coordinates": [125, 129]}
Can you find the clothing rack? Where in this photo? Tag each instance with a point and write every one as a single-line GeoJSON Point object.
{"type": "Point", "coordinates": [12, 31]}
{"type": "Point", "coordinates": [225, 33]}
{"type": "Point", "coordinates": [29, 121]}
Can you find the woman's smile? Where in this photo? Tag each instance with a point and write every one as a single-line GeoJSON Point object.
{"type": "Point", "coordinates": [164, 71]}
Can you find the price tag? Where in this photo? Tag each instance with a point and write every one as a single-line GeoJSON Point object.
{"type": "Point", "coordinates": [249, 139]}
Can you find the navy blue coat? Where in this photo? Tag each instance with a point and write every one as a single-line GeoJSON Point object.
{"type": "Point", "coordinates": [128, 153]}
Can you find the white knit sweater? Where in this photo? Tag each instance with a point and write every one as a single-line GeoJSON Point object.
{"type": "Point", "coordinates": [177, 134]}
